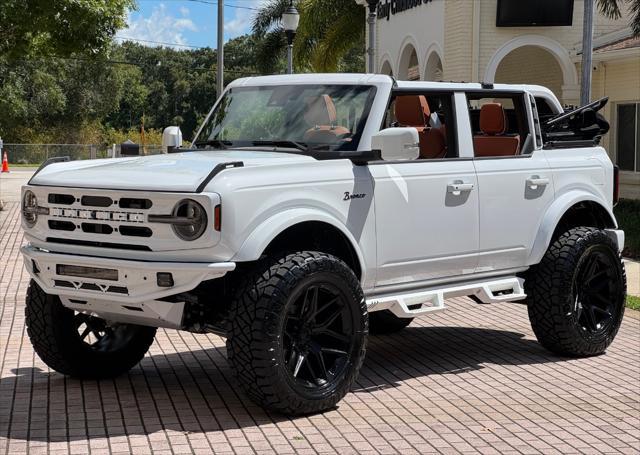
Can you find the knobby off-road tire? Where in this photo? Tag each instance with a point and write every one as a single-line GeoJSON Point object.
{"type": "Point", "coordinates": [78, 345]}
{"type": "Point", "coordinates": [576, 294]}
{"type": "Point", "coordinates": [297, 332]}
{"type": "Point", "coordinates": [385, 323]}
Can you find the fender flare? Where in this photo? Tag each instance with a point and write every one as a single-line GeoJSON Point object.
{"type": "Point", "coordinates": [553, 215]}
{"type": "Point", "coordinates": [260, 238]}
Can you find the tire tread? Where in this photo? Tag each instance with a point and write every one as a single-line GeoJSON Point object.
{"type": "Point", "coordinates": [548, 286]}
{"type": "Point", "coordinates": [257, 306]}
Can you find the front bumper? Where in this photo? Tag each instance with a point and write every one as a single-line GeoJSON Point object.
{"type": "Point", "coordinates": [130, 295]}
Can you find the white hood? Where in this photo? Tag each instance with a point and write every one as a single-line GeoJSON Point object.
{"type": "Point", "coordinates": [177, 172]}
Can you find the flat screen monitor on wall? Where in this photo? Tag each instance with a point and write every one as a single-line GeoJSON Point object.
{"type": "Point", "coordinates": [534, 13]}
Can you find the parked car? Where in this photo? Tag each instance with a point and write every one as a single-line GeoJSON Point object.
{"type": "Point", "coordinates": [312, 211]}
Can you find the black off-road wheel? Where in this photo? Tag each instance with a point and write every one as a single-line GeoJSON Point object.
{"type": "Point", "coordinates": [297, 332]}
{"type": "Point", "coordinates": [576, 294]}
{"type": "Point", "coordinates": [80, 345]}
{"type": "Point", "coordinates": [385, 323]}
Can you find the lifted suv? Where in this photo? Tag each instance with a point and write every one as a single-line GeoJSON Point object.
{"type": "Point", "coordinates": [313, 210]}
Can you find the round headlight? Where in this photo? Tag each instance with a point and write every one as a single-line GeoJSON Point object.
{"type": "Point", "coordinates": [30, 208]}
{"type": "Point", "coordinates": [191, 220]}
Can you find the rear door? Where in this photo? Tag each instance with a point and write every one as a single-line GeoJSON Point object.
{"type": "Point", "coordinates": [515, 183]}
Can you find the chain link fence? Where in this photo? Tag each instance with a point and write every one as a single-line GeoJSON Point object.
{"type": "Point", "coordinates": [36, 154]}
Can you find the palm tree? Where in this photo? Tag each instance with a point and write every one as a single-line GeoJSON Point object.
{"type": "Point", "coordinates": [268, 30]}
{"type": "Point", "coordinates": [612, 9]}
{"type": "Point", "coordinates": [328, 30]}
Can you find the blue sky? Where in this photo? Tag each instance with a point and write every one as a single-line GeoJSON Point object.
{"type": "Point", "coordinates": [187, 22]}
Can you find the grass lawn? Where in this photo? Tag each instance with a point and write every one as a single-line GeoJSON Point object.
{"type": "Point", "coordinates": [628, 215]}
{"type": "Point", "coordinates": [23, 165]}
{"type": "Point", "coordinates": [633, 302]}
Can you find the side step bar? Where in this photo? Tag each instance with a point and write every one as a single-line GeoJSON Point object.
{"type": "Point", "coordinates": [415, 303]}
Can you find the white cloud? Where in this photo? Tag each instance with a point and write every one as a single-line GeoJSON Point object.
{"type": "Point", "coordinates": [241, 23]}
{"type": "Point", "coordinates": [160, 26]}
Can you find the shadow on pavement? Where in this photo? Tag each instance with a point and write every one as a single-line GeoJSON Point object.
{"type": "Point", "coordinates": [194, 391]}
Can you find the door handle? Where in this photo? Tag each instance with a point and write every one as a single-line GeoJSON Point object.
{"type": "Point", "coordinates": [535, 181]}
{"type": "Point", "coordinates": [456, 188]}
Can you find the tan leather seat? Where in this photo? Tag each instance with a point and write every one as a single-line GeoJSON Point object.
{"type": "Point", "coordinates": [413, 111]}
{"type": "Point", "coordinates": [493, 141]}
{"type": "Point", "coordinates": [320, 114]}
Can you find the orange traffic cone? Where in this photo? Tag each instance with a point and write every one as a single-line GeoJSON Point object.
{"type": "Point", "coordinates": [5, 163]}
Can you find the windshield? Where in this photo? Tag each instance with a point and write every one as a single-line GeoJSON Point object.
{"type": "Point", "coordinates": [305, 117]}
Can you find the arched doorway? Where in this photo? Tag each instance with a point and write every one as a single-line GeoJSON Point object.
{"type": "Point", "coordinates": [409, 67]}
{"type": "Point", "coordinates": [534, 59]}
{"type": "Point", "coordinates": [531, 65]}
{"type": "Point", "coordinates": [433, 68]}
{"type": "Point", "coordinates": [386, 68]}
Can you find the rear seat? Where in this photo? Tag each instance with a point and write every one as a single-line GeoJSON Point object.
{"type": "Point", "coordinates": [493, 141]}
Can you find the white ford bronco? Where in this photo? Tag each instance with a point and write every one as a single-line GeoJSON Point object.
{"type": "Point", "coordinates": [313, 210]}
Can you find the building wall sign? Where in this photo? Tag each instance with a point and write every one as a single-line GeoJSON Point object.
{"type": "Point", "coordinates": [388, 8]}
{"type": "Point", "coordinates": [534, 13]}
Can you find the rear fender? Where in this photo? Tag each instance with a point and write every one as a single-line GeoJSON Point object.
{"type": "Point", "coordinates": [554, 214]}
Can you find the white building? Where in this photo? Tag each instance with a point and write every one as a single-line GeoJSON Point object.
{"type": "Point", "coordinates": [520, 41]}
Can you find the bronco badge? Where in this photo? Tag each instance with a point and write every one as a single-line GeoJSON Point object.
{"type": "Point", "coordinates": [348, 196]}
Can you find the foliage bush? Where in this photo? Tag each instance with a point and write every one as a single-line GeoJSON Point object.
{"type": "Point", "coordinates": [627, 213]}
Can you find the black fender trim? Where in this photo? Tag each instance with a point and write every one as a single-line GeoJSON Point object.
{"type": "Point", "coordinates": [215, 171]}
{"type": "Point", "coordinates": [53, 159]}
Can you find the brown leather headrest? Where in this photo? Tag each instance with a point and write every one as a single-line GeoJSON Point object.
{"type": "Point", "coordinates": [493, 119]}
{"type": "Point", "coordinates": [320, 110]}
{"type": "Point", "coordinates": [412, 110]}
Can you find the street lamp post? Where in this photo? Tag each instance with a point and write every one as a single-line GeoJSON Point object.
{"type": "Point", "coordinates": [587, 52]}
{"type": "Point", "coordinates": [371, 20]}
{"type": "Point", "coordinates": [373, 5]}
{"type": "Point", "coordinates": [290, 20]}
{"type": "Point", "coordinates": [220, 67]}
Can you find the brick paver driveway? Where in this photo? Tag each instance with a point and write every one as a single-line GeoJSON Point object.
{"type": "Point", "coordinates": [469, 379]}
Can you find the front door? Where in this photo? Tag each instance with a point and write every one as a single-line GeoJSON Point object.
{"type": "Point", "coordinates": [427, 209]}
{"type": "Point", "coordinates": [426, 220]}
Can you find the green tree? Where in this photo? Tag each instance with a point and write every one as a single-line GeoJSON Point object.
{"type": "Point", "coordinates": [59, 27]}
{"type": "Point", "coordinates": [329, 31]}
{"type": "Point", "coordinates": [613, 9]}
{"type": "Point", "coordinates": [101, 99]}
{"type": "Point", "coordinates": [39, 95]}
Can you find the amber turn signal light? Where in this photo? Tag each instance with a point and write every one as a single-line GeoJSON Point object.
{"type": "Point", "coordinates": [217, 217]}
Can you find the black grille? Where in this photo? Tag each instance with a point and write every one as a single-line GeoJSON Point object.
{"type": "Point", "coordinates": [96, 228]}
{"type": "Point", "coordinates": [63, 284]}
{"type": "Point", "coordinates": [135, 203]}
{"type": "Point", "coordinates": [119, 246]}
{"type": "Point", "coordinates": [118, 289]}
{"type": "Point", "coordinates": [96, 201]}
{"type": "Point", "coordinates": [136, 231]}
{"type": "Point", "coordinates": [58, 225]}
{"type": "Point", "coordinates": [61, 199]}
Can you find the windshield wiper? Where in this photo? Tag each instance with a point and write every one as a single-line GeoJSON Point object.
{"type": "Point", "coordinates": [284, 143]}
{"type": "Point", "coordinates": [215, 143]}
